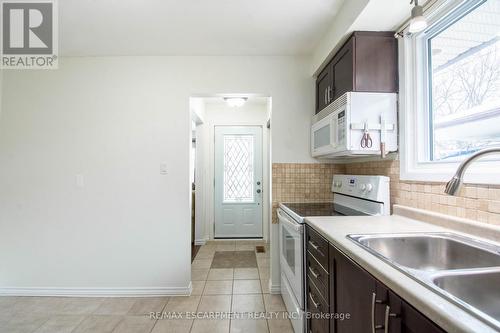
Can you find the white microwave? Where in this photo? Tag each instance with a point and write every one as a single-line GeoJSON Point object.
{"type": "Point", "coordinates": [356, 124]}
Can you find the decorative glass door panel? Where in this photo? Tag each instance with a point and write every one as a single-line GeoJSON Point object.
{"type": "Point", "coordinates": [238, 168]}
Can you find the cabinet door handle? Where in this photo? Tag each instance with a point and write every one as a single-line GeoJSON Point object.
{"type": "Point", "coordinates": [326, 96]}
{"type": "Point", "coordinates": [316, 275]}
{"type": "Point", "coordinates": [316, 305]}
{"type": "Point", "coordinates": [375, 301]}
{"type": "Point", "coordinates": [316, 247]}
{"type": "Point", "coordinates": [388, 314]}
{"type": "Point", "coordinates": [329, 94]}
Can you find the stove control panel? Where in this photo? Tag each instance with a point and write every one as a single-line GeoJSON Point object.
{"type": "Point", "coordinates": [375, 188]}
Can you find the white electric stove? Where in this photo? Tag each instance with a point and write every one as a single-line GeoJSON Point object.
{"type": "Point", "coordinates": [353, 196]}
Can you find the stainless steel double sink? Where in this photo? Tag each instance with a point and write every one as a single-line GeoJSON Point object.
{"type": "Point", "coordinates": [464, 270]}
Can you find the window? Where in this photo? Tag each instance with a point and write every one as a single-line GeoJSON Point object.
{"type": "Point", "coordinates": [464, 72]}
{"type": "Point", "coordinates": [238, 168]}
{"type": "Point", "coordinates": [451, 82]}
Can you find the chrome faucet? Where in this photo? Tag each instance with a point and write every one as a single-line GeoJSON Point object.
{"type": "Point", "coordinates": [453, 186]}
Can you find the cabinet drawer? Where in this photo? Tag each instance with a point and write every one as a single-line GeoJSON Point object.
{"type": "Point", "coordinates": [316, 305]}
{"type": "Point", "coordinates": [317, 275]}
{"type": "Point", "coordinates": [315, 301]}
{"type": "Point", "coordinates": [318, 247]}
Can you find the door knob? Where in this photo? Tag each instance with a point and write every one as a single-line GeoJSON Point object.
{"type": "Point", "coordinates": [258, 191]}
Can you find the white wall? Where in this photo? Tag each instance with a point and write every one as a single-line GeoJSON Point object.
{"type": "Point", "coordinates": [114, 120]}
{"type": "Point", "coordinates": [197, 107]}
{"type": "Point", "coordinates": [337, 33]}
{"type": "Point", "coordinates": [252, 113]}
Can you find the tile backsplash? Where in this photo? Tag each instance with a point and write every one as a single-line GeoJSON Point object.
{"type": "Point", "coordinates": [312, 182]}
{"type": "Point", "coordinates": [476, 202]}
{"type": "Point", "coordinates": [294, 182]}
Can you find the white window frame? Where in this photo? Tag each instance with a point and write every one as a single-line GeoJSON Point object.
{"type": "Point", "coordinates": [414, 108]}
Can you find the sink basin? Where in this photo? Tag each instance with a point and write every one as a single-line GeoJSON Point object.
{"type": "Point", "coordinates": [478, 289]}
{"type": "Point", "coordinates": [463, 270]}
{"type": "Point", "coordinates": [430, 252]}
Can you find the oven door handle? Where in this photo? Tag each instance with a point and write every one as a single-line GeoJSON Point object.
{"type": "Point", "coordinates": [293, 225]}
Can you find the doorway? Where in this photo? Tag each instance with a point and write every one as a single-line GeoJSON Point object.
{"type": "Point", "coordinates": [233, 154]}
{"type": "Point", "coordinates": [238, 182]}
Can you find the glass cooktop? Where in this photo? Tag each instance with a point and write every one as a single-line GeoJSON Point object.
{"type": "Point", "coordinates": [310, 209]}
{"type": "Point", "coordinates": [313, 208]}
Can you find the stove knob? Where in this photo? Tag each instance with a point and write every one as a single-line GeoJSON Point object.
{"type": "Point", "coordinates": [339, 184]}
{"type": "Point", "coordinates": [362, 187]}
{"type": "Point", "coordinates": [369, 187]}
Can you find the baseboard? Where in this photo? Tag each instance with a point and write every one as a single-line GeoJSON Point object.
{"type": "Point", "coordinates": [98, 292]}
{"type": "Point", "coordinates": [274, 288]}
{"type": "Point", "coordinates": [202, 241]}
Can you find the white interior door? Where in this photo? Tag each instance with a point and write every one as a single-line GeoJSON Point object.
{"type": "Point", "coordinates": [238, 182]}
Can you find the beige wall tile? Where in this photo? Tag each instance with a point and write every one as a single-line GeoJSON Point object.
{"type": "Point", "coordinates": [478, 203]}
{"type": "Point", "coordinates": [494, 193]}
{"type": "Point", "coordinates": [312, 182]}
{"type": "Point", "coordinates": [302, 182]}
{"type": "Point", "coordinates": [494, 218]}
{"type": "Point", "coordinates": [482, 193]}
{"type": "Point", "coordinates": [494, 206]}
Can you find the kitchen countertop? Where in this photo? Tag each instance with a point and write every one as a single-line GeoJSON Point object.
{"type": "Point", "coordinates": [447, 315]}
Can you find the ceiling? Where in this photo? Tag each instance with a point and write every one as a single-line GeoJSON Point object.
{"type": "Point", "coordinates": [196, 27]}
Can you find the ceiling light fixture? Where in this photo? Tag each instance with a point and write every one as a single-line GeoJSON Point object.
{"type": "Point", "coordinates": [235, 101]}
{"type": "Point", "coordinates": [418, 22]}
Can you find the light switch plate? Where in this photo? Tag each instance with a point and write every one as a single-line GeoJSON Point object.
{"type": "Point", "coordinates": [163, 168]}
{"type": "Point", "coordinates": [80, 180]}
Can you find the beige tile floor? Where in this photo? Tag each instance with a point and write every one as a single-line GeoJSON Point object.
{"type": "Point", "coordinates": [236, 290]}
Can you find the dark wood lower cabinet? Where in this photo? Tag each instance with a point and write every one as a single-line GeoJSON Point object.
{"type": "Point", "coordinates": [370, 304]}
{"type": "Point", "coordinates": [354, 293]}
{"type": "Point", "coordinates": [359, 302]}
{"type": "Point", "coordinates": [413, 321]}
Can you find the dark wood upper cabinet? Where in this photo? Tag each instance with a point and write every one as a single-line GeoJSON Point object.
{"type": "Point", "coordinates": [343, 70]}
{"type": "Point", "coordinates": [323, 88]}
{"type": "Point", "coordinates": [376, 62]}
{"type": "Point", "coordinates": [366, 62]}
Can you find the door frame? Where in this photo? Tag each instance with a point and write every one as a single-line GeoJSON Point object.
{"type": "Point", "coordinates": [204, 225]}
{"type": "Point", "coordinates": [261, 173]}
